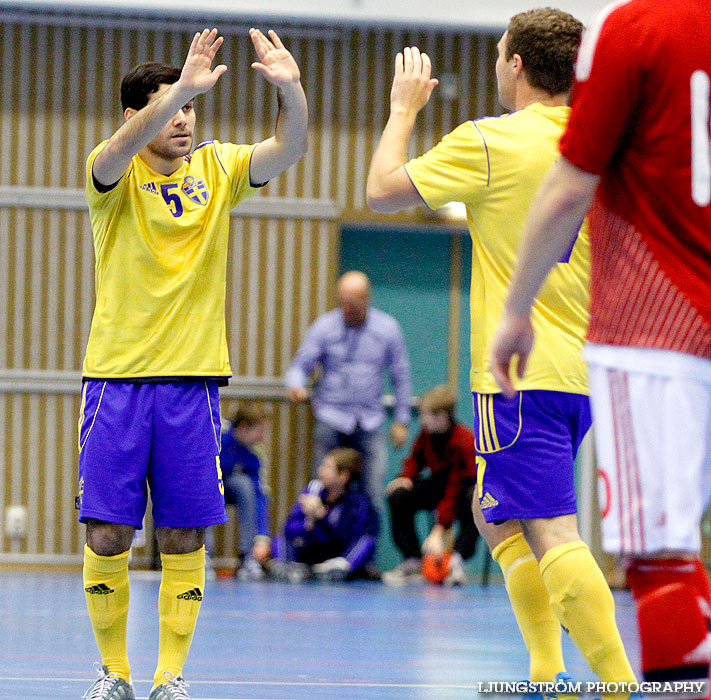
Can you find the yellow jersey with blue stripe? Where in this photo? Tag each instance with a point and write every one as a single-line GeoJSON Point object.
{"type": "Point", "coordinates": [495, 166]}
{"type": "Point", "coordinates": [161, 256]}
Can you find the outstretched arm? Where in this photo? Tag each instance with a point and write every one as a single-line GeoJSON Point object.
{"type": "Point", "coordinates": [389, 188]}
{"type": "Point", "coordinates": [275, 154]}
{"type": "Point", "coordinates": [141, 126]}
{"type": "Point", "coordinates": [553, 221]}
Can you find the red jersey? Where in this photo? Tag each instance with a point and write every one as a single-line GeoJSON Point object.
{"type": "Point", "coordinates": [640, 109]}
{"type": "Point", "coordinates": [456, 456]}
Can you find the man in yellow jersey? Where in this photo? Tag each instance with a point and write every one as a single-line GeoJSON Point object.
{"type": "Point", "coordinates": [526, 446]}
{"type": "Point", "coordinates": [157, 349]}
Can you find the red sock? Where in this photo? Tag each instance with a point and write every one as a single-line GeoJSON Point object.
{"type": "Point", "coordinates": [673, 609]}
{"type": "Point", "coordinates": [701, 579]}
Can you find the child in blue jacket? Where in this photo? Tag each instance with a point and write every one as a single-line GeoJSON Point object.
{"type": "Point", "coordinates": [332, 529]}
{"type": "Point", "coordinates": [241, 466]}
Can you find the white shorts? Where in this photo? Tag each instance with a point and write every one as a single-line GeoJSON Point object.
{"type": "Point", "coordinates": [652, 422]}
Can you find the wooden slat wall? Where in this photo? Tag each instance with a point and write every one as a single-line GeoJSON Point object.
{"type": "Point", "coordinates": [281, 271]}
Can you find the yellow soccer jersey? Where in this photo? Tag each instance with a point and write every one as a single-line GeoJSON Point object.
{"type": "Point", "coordinates": [495, 167]}
{"type": "Point", "coordinates": [161, 255]}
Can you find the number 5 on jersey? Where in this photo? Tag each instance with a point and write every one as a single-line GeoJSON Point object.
{"type": "Point", "coordinates": [172, 199]}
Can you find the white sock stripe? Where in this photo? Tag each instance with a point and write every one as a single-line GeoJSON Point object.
{"type": "Point", "coordinates": [517, 562]}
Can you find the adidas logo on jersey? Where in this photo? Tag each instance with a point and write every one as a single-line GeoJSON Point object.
{"type": "Point", "coordinates": [150, 187]}
{"type": "Point", "coordinates": [99, 589]}
{"type": "Point", "coordinates": [488, 501]}
{"type": "Point", "coordinates": [195, 594]}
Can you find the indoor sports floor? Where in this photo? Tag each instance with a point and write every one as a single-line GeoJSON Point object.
{"type": "Point", "coordinates": [272, 641]}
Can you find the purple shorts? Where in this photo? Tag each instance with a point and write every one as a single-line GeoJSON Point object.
{"type": "Point", "coordinates": [526, 450]}
{"type": "Point", "coordinates": [165, 436]}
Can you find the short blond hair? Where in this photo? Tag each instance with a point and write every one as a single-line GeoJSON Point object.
{"type": "Point", "coordinates": [348, 460]}
{"type": "Point", "coordinates": [439, 398]}
{"type": "Point", "coordinates": [249, 412]}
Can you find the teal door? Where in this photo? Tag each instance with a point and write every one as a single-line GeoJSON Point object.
{"type": "Point", "coordinates": [411, 275]}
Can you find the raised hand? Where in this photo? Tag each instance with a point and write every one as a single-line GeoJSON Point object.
{"type": "Point", "coordinates": [412, 84]}
{"type": "Point", "coordinates": [399, 482]}
{"type": "Point", "coordinates": [198, 75]}
{"type": "Point", "coordinates": [297, 394]}
{"type": "Point", "coordinates": [435, 543]}
{"type": "Point", "coordinates": [398, 434]}
{"type": "Point", "coordinates": [275, 63]}
{"type": "Point", "coordinates": [312, 506]}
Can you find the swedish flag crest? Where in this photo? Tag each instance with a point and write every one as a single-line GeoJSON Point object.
{"type": "Point", "coordinates": [196, 190]}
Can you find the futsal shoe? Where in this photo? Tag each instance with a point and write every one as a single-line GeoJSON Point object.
{"type": "Point", "coordinates": [173, 689]}
{"type": "Point", "coordinates": [332, 570]}
{"type": "Point", "coordinates": [108, 686]}
{"type": "Point", "coordinates": [251, 570]}
{"type": "Point", "coordinates": [408, 571]}
{"type": "Point", "coordinates": [562, 679]}
{"type": "Point", "coordinates": [456, 575]}
{"type": "Point", "coordinates": [297, 572]}
{"type": "Point", "coordinates": [277, 569]}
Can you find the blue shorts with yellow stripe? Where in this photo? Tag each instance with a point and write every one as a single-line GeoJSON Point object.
{"type": "Point", "coordinates": [159, 435]}
{"type": "Point", "coordinates": [526, 448]}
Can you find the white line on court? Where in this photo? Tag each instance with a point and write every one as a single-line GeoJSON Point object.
{"type": "Point", "coordinates": [280, 684]}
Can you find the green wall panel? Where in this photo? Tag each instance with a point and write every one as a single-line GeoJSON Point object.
{"type": "Point", "coordinates": [409, 271]}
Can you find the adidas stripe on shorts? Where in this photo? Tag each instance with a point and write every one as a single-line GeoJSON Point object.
{"type": "Point", "coordinates": [526, 450]}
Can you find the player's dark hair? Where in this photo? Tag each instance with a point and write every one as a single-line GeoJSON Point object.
{"type": "Point", "coordinates": [547, 41]}
{"type": "Point", "coordinates": [144, 80]}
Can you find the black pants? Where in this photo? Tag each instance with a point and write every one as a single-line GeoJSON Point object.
{"type": "Point", "coordinates": [425, 495]}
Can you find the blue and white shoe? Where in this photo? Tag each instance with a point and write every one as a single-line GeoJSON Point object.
{"type": "Point", "coordinates": [562, 692]}
{"type": "Point", "coordinates": [175, 688]}
{"type": "Point", "coordinates": [108, 686]}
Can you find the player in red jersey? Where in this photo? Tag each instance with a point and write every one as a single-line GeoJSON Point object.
{"type": "Point", "coordinates": [637, 154]}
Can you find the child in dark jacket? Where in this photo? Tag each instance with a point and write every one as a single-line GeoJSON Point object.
{"type": "Point", "coordinates": [241, 473]}
{"type": "Point", "coordinates": [332, 529]}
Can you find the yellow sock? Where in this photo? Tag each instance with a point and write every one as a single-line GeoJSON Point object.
{"type": "Point", "coordinates": [539, 626]}
{"type": "Point", "coordinates": [181, 589]}
{"type": "Point", "coordinates": [106, 592]}
{"type": "Point", "coordinates": [581, 599]}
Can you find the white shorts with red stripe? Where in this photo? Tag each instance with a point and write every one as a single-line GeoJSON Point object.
{"type": "Point", "coordinates": [652, 423]}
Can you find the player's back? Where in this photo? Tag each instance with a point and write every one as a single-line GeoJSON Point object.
{"type": "Point", "coordinates": [495, 166]}
{"type": "Point", "coordinates": [521, 147]}
{"type": "Point", "coordinates": [667, 147]}
{"type": "Point", "coordinates": [641, 121]}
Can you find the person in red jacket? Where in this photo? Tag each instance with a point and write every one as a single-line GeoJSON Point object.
{"type": "Point", "coordinates": [439, 475]}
